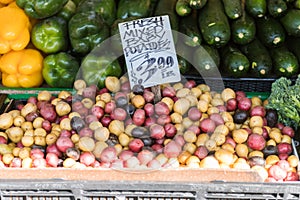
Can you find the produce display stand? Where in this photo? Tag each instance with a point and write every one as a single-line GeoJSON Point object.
{"type": "Point", "coordinates": [116, 184]}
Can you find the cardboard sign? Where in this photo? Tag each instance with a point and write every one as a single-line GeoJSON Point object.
{"type": "Point", "coordinates": [149, 51]}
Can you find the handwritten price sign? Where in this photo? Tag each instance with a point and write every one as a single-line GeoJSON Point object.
{"type": "Point", "coordinates": [149, 51]}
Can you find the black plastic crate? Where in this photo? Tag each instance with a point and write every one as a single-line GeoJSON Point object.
{"type": "Point", "coordinates": [246, 84]}
{"type": "Point", "coordinates": [110, 190]}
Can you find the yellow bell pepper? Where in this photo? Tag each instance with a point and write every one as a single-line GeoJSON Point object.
{"type": "Point", "coordinates": [6, 1]}
{"type": "Point", "coordinates": [15, 29]}
{"type": "Point", "coordinates": [22, 68]}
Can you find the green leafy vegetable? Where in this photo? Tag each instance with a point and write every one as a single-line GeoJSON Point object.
{"type": "Point", "coordinates": [285, 99]}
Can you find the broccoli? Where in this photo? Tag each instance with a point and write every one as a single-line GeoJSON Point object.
{"type": "Point", "coordinates": [285, 99]}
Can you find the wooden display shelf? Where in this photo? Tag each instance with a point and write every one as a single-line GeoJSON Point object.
{"type": "Point", "coordinates": [162, 175]}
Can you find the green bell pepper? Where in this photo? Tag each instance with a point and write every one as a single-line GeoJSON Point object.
{"type": "Point", "coordinates": [133, 8]}
{"type": "Point", "coordinates": [39, 9]}
{"type": "Point", "coordinates": [68, 10]}
{"type": "Point", "coordinates": [86, 31]}
{"type": "Point", "coordinates": [96, 68]}
{"type": "Point", "coordinates": [50, 35]}
{"type": "Point", "coordinates": [60, 70]}
{"type": "Point", "coordinates": [107, 9]}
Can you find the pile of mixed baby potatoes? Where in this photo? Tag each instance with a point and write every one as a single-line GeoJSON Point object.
{"type": "Point", "coordinates": [174, 125]}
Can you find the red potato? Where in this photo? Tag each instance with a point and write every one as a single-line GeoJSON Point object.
{"type": "Point", "coordinates": [87, 158]}
{"type": "Point", "coordinates": [52, 148]}
{"type": "Point", "coordinates": [179, 139]}
{"type": "Point", "coordinates": [217, 118]}
{"type": "Point", "coordinates": [149, 109]}
{"type": "Point", "coordinates": [284, 164]}
{"type": "Point", "coordinates": [97, 111]}
{"type": "Point", "coordinates": [170, 130]}
{"type": "Point", "coordinates": [265, 121]}
{"type": "Point", "coordinates": [249, 131]}
{"type": "Point", "coordinates": [283, 156]}
{"type": "Point", "coordinates": [190, 84]}
{"type": "Point", "coordinates": [108, 154]}
{"type": "Point", "coordinates": [3, 140]}
{"type": "Point", "coordinates": [239, 95]}
{"type": "Point", "coordinates": [41, 104]}
{"type": "Point", "coordinates": [160, 141]}
{"type": "Point", "coordinates": [158, 148]}
{"type": "Point", "coordinates": [175, 99]}
{"type": "Point", "coordinates": [201, 152]}
{"type": "Point", "coordinates": [20, 144]}
{"type": "Point", "coordinates": [102, 91]}
{"type": "Point", "coordinates": [244, 103]}
{"type": "Point", "coordinates": [194, 114]}
{"type": "Point", "coordinates": [109, 107]}
{"type": "Point", "coordinates": [36, 153]}
{"type": "Point", "coordinates": [284, 148]}
{"type": "Point", "coordinates": [52, 159]}
{"type": "Point", "coordinates": [119, 114]}
{"type": "Point", "coordinates": [231, 141]}
{"type": "Point", "coordinates": [77, 105]}
{"type": "Point", "coordinates": [105, 120]}
{"type": "Point", "coordinates": [83, 112]}
{"type": "Point", "coordinates": [172, 149]}
{"type": "Point", "coordinates": [125, 154]}
{"type": "Point", "coordinates": [65, 133]}
{"type": "Point", "coordinates": [32, 116]}
{"type": "Point", "coordinates": [277, 172]}
{"type": "Point", "coordinates": [291, 176]}
{"type": "Point", "coordinates": [32, 99]}
{"type": "Point", "coordinates": [287, 130]}
{"type": "Point", "coordinates": [148, 96]}
{"type": "Point", "coordinates": [120, 94]}
{"type": "Point", "coordinates": [145, 156]}
{"type": "Point", "coordinates": [86, 131]}
{"type": "Point", "coordinates": [207, 125]}
{"type": "Point", "coordinates": [136, 145]}
{"type": "Point", "coordinates": [256, 141]}
{"type": "Point", "coordinates": [90, 118]}
{"type": "Point", "coordinates": [157, 131]}
{"type": "Point", "coordinates": [231, 104]}
{"type": "Point", "coordinates": [125, 87]}
{"type": "Point", "coordinates": [161, 108]}
{"type": "Point", "coordinates": [163, 119]}
{"type": "Point", "coordinates": [139, 117]}
{"type": "Point", "coordinates": [265, 133]}
{"type": "Point", "coordinates": [149, 121]}
{"type": "Point", "coordinates": [90, 92]}
{"type": "Point", "coordinates": [46, 125]}
{"type": "Point", "coordinates": [195, 129]}
{"type": "Point", "coordinates": [280, 125]}
{"type": "Point", "coordinates": [169, 91]}
{"type": "Point", "coordinates": [16, 163]}
{"type": "Point", "coordinates": [63, 143]}
{"type": "Point", "coordinates": [258, 111]}
{"type": "Point", "coordinates": [48, 112]}
{"type": "Point", "coordinates": [96, 164]}
{"type": "Point", "coordinates": [221, 108]}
